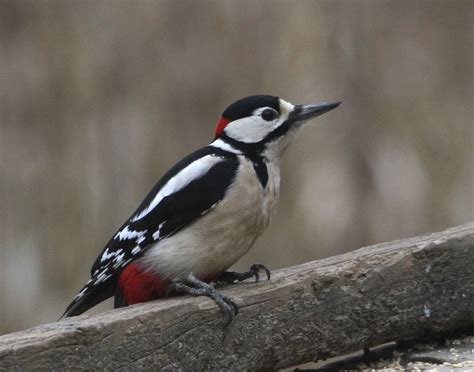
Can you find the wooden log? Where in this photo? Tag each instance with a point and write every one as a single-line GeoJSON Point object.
{"type": "Point", "coordinates": [387, 292]}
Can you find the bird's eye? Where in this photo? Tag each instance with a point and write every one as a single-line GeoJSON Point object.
{"type": "Point", "coordinates": [269, 114]}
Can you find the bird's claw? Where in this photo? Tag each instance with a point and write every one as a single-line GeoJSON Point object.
{"type": "Point", "coordinates": [230, 277]}
{"type": "Point", "coordinates": [255, 269]}
{"type": "Point", "coordinates": [200, 288]}
{"type": "Point", "coordinates": [228, 306]}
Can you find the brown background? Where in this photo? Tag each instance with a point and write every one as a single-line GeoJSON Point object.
{"type": "Point", "coordinates": [99, 98]}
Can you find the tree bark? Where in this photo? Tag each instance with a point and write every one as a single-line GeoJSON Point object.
{"type": "Point", "coordinates": [388, 292]}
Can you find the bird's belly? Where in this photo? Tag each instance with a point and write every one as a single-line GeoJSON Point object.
{"type": "Point", "coordinates": [218, 239]}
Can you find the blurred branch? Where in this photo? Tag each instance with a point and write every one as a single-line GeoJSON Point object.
{"type": "Point", "coordinates": [388, 292]}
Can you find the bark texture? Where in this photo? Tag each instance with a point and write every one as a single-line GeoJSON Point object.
{"type": "Point", "coordinates": [387, 292]}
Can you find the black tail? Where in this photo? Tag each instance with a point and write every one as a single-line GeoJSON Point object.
{"type": "Point", "coordinates": [90, 295]}
{"type": "Point", "coordinates": [119, 299]}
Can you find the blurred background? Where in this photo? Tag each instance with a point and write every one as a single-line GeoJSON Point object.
{"type": "Point", "coordinates": [99, 98]}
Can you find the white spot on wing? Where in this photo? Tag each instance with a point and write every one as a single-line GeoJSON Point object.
{"type": "Point", "coordinates": [208, 209]}
{"type": "Point", "coordinates": [127, 262]}
{"type": "Point", "coordinates": [126, 233]}
{"type": "Point", "coordinates": [156, 234]}
{"type": "Point", "coordinates": [193, 171]}
{"type": "Point", "coordinates": [106, 256]}
{"type": "Point", "coordinates": [102, 277]}
{"type": "Point", "coordinates": [81, 293]}
{"type": "Point", "coordinates": [118, 261]}
{"type": "Point", "coordinates": [136, 250]}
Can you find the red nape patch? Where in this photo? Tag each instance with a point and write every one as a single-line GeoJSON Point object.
{"type": "Point", "coordinates": [141, 286]}
{"type": "Point", "coordinates": [221, 124]}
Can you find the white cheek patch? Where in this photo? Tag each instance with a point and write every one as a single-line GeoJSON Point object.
{"type": "Point", "coordinates": [193, 171]}
{"type": "Point", "coordinates": [252, 129]}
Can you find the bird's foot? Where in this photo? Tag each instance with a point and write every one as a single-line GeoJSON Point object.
{"type": "Point", "coordinates": [195, 287]}
{"type": "Point", "coordinates": [230, 277]}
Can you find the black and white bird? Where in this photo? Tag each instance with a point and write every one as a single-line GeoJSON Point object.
{"type": "Point", "coordinates": [204, 214]}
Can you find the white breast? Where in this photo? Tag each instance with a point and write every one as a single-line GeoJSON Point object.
{"type": "Point", "coordinates": [218, 239]}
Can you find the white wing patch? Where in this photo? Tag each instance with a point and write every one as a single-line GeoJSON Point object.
{"type": "Point", "coordinates": [225, 146]}
{"type": "Point", "coordinates": [193, 171]}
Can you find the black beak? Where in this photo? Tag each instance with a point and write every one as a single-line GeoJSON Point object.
{"type": "Point", "coordinates": [306, 112]}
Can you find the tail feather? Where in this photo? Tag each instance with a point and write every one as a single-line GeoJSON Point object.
{"type": "Point", "coordinates": [88, 297]}
{"type": "Point", "coordinates": [119, 299]}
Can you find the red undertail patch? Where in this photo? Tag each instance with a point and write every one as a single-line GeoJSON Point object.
{"type": "Point", "coordinates": [141, 286]}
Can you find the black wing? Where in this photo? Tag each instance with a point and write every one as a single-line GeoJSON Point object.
{"type": "Point", "coordinates": [212, 170]}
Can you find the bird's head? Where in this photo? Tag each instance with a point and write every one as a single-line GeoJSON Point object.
{"type": "Point", "coordinates": [258, 123]}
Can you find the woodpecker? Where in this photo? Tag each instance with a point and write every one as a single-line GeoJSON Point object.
{"type": "Point", "coordinates": [204, 214]}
